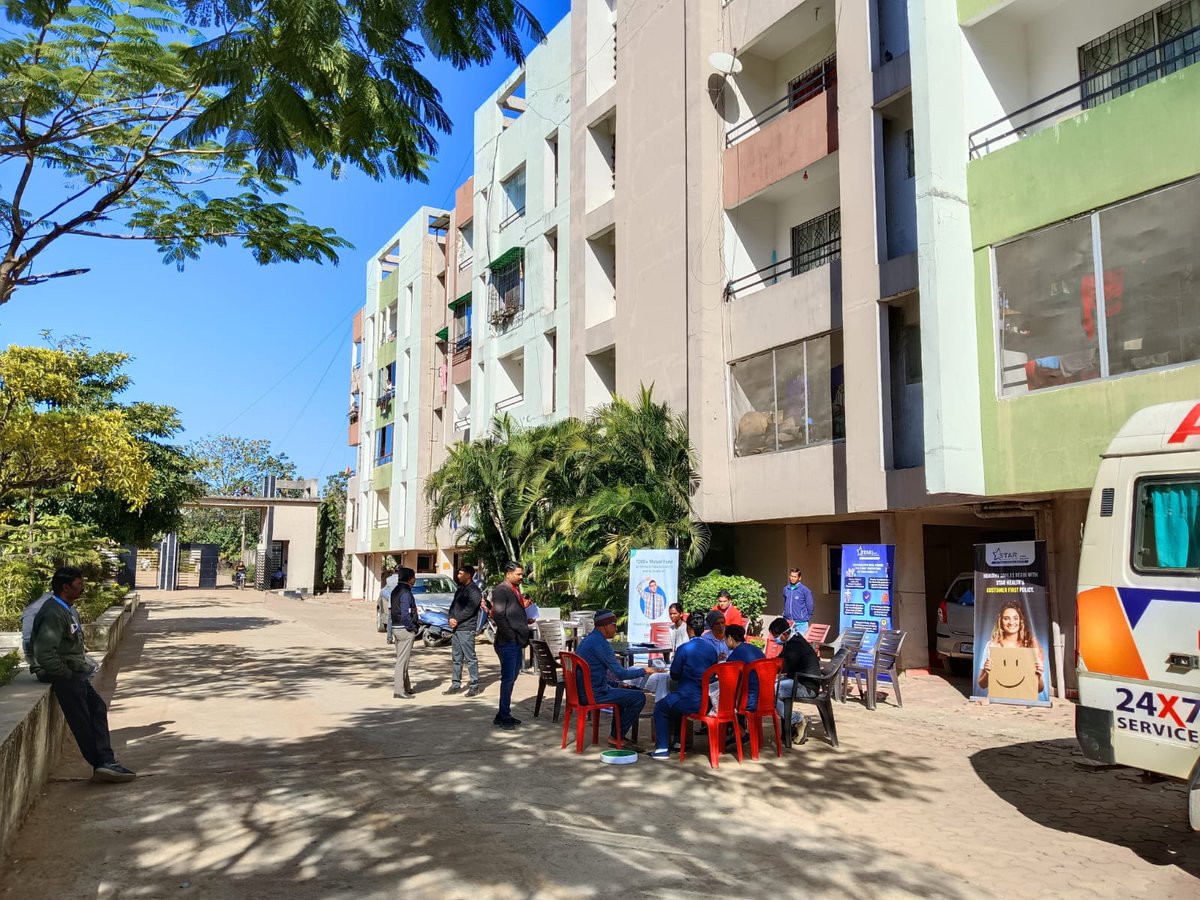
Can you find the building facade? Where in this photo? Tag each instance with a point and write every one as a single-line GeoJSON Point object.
{"type": "Point", "coordinates": [906, 265]}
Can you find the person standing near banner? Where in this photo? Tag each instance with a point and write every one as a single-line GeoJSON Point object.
{"type": "Point", "coordinates": [797, 602]}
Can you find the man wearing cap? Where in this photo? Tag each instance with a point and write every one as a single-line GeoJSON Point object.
{"type": "Point", "coordinates": [598, 653]}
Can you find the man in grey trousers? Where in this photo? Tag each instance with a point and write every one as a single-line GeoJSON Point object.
{"type": "Point", "coordinates": [464, 620]}
{"type": "Point", "coordinates": [404, 629]}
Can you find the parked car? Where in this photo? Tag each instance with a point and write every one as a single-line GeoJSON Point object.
{"type": "Point", "coordinates": [956, 624]}
{"type": "Point", "coordinates": [432, 591]}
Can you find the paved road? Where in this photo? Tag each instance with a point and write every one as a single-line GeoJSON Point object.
{"type": "Point", "coordinates": [275, 763]}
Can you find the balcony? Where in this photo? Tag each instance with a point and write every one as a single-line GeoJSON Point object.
{"type": "Point", "coordinates": [510, 403]}
{"type": "Point", "coordinates": [785, 135]}
{"type": "Point", "coordinates": [512, 217]}
{"type": "Point", "coordinates": [465, 263]}
{"type": "Point", "coordinates": [462, 351]}
{"type": "Point", "coordinates": [1100, 87]}
{"type": "Point", "coordinates": [817, 242]}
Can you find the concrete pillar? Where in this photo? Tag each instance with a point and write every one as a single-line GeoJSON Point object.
{"type": "Point", "coordinates": [909, 612]}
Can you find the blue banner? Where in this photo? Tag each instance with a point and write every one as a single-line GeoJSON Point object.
{"type": "Point", "coordinates": [867, 592]}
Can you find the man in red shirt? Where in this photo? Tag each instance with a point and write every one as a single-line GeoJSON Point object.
{"type": "Point", "coordinates": [733, 615]}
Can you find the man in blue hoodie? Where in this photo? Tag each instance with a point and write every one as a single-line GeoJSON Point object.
{"type": "Point", "coordinates": [797, 603]}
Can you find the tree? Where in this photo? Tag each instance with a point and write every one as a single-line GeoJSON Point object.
{"type": "Point", "coordinates": [61, 429]}
{"type": "Point", "coordinates": [184, 118]}
{"type": "Point", "coordinates": [232, 466]}
{"type": "Point", "coordinates": [331, 531]}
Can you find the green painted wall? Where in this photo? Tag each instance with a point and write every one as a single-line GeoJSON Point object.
{"type": "Point", "coordinates": [386, 355]}
{"type": "Point", "coordinates": [1050, 440]}
{"type": "Point", "coordinates": [969, 10]}
{"type": "Point", "coordinates": [381, 477]}
{"type": "Point", "coordinates": [1122, 148]}
{"type": "Point", "coordinates": [380, 539]}
{"type": "Point", "coordinates": [389, 292]}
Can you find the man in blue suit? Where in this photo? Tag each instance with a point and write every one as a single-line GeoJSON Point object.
{"type": "Point", "coordinates": [598, 653]}
{"type": "Point", "coordinates": [688, 666]}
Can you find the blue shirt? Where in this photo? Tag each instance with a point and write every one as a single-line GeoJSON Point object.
{"type": "Point", "coordinates": [797, 602]}
{"type": "Point", "coordinates": [598, 653]}
{"type": "Point", "coordinates": [688, 666]}
{"type": "Point", "coordinates": [746, 652]}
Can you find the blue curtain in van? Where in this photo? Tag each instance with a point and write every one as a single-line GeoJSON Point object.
{"type": "Point", "coordinates": [1176, 524]}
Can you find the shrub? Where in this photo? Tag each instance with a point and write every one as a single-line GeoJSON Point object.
{"type": "Point", "coordinates": [748, 595]}
{"type": "Point", "coordinates": [10, 665]}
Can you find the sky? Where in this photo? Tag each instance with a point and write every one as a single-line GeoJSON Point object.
{"type": "Point", "coordinates": [249, 350]}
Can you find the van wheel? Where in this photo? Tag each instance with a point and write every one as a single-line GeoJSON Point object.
{"type": "Point", "coordinates": [1194, 800]}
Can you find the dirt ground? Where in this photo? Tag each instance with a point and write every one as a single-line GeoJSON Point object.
{"type": "Point", "coordinates": [275, 763]}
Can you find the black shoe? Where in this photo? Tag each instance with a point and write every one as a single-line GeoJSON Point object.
{"type": "Point", "coordinates": [507, 724]}
{"type": "Point", "coordinates": [473, 691]}
{"type": "Point", "coordinates": [513, 721]}
{"type": "Point", "coordinates": [114, 773]}
{"type": "Point", "coordinates": [453, 689]}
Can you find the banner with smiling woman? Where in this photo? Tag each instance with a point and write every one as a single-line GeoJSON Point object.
{"type": "Point", "coordinates": [1012, 624]}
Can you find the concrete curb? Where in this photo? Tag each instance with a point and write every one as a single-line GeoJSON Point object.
{"type": "Point", "coordinates": [32, 728]}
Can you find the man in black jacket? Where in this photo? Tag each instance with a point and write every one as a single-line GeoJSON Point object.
{"type": "Point", "coordinates": [464, 621]}
{"type": "Point", "coordinates": [404, 630]}
{"type": "Point", "coordinates": [512, 637]}
{"type": "Point", "coordinates": [801, 670]}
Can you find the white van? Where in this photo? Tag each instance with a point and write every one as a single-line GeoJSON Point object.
{"type": "Point", "coordinates": [1138, 635]}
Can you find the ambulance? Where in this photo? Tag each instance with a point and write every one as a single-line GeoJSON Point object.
{"type": "Point", "coordinates": [1138, 634]}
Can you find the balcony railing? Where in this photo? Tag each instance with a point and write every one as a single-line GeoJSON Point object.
{"type": "Point", "coordinates": [465, 263]}
{"type": "Point", "coordinates": [513, 216]}
{"type": "Point", "coordinates": [816, 81]}
{"type": "Point", "coordinates": [382, 460]}
{"type": "Point", "coordinates": [1147, 66]}
{"type": "Point", "coordinates": [510, 403]}
{"type": "Point", "coordinates": [811, 258]}
{"type": "Point", "coordinates": [462, 424]}
{"type": "Point", "coordinates": [385, 398]}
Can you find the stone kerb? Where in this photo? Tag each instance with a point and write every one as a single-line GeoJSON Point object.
{"type": "Point", "coordinates": [31, 726]}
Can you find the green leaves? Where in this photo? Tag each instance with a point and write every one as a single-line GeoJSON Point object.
{"type": "Point", "coordinates": [572, 498]}
{"type": "Point", "coordinates": [177, 118]}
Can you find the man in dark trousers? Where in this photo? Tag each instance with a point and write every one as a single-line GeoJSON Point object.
{"type": "Point", "coordinates": [512, 637]}
{"type": "Point", "coordinates": [797, 603]}
{"type": "Point", "coordinates": [801, 669]}
{"type": "Point", "coordinates": [607, 674]}
{"type": "Point", "coordinates": [464, 621]}
{"type": "Point", "coordinates": [58, 657]}
{"type": "Point", "coordinates": [404, 630]}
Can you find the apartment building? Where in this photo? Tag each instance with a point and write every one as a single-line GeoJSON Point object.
{"type": "Point", "coordinates": [511, 300]}
{"type": "Point", "coordinates": [905, 264]}
{"type": "Point", "coordinates": [396, 374]}
{"type": "Point", "coordinates": [1057, 208]}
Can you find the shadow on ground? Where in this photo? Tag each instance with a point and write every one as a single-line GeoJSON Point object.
{"type": "Point", "coordinates": [1051, 783]}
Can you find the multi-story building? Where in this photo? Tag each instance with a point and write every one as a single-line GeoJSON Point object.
{"type": "Point", "coordinates": [1057, 208]}
{"type": "Point", "coordinates": [396, 364]}
{"type": "Point", "coordinates": [905, 264]}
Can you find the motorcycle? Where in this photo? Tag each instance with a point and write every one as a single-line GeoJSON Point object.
{"type": "Point", "coordinates": [433, 627]}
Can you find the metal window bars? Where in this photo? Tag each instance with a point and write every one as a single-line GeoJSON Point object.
{"type": "Point", "coordinates": [804, 87]}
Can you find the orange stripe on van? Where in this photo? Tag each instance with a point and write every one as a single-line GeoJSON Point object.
{"type": "Point", "coordinates": [1106, 644]}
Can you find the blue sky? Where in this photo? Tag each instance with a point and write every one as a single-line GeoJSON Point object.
{"type": "Point", "coordinates": [238, 348]}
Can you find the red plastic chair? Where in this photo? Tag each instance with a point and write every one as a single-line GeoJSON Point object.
{"type": "Point", "coordinates": [575, 669]}
{"type": "Point", "coordinates": [766, 670]}
{"type": "Point", "coordinates": [728, 676]}
{"type": "Point", "coordinates": [816, 635]}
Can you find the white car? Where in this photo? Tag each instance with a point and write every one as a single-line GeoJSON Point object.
{"type": "Point", "coordinates": [956, 624]}
{"type": "Point", "coordinates": [431, 591]}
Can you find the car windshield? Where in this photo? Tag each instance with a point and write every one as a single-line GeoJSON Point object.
{"type": "Point", "coordinates": [433, 586]}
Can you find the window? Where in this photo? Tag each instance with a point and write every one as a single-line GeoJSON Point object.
{"type": "Point", "coordinates": [465, 252]}
{"type": "Point", "coordinates": [1166, 538]}
{"type": "Point", "coordinates": [1063, 321]}
{"type": "Point", "coordinates": [387, 384]}
{"type": "Point", "coordinates": [408, 310]}
{"type": "Point", "coordinates": [406, 377]}
{"type": "Point", "coordinates": [1139, 52]}
{"type": "Point", "coordinates": [514, 197]}
{"type": "Point", "coordinates": [383, 511]}
{"type": "Point", "coordinates": [550, 388]}
{"type": "Point", "coordinates": [910, 148]}
{"type": "Point", "coordinates": [789, 397]}
{"type": "Point", "coordinates": [404, 442]}
{"type": "Point", "coordinates": [383, 445]}
{"type": "Point", "coordinates": [820, 78]}
{"type": "Point", "coordinates": [817, 241]}
{"type": "Point", "coordinates": [356, 356]}
{"type": "Point", "coordinates": [506, 292]}
{"type": "Point", "coordinates": [552, 169]}
{"type": "Point", "coordinates": [552, 269]}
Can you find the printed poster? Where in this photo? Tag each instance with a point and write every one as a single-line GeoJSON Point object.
{"type": "Point", "coordinates": [867, 578]}
{"type": "Point", "coordinates": [1012, 624]}
{"type": "Point", "coordinates": [653, 586]}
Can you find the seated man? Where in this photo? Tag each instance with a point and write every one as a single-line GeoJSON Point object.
{"type": "Point", "coordinates": [741, 650]}
{"type": "Point", "coordinates": [733, 615]}
{"type": "Point", "coordinates": [688, 666]}
{"type": "Point", "coordinates": [715, 635]}
{"type": "Point", "coordinates": [598, 653]}
{"type": "Point", "coordinates": [801, 671]}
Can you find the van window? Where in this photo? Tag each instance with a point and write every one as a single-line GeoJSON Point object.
{"type": "Point", "coordinates": [1166, 539]}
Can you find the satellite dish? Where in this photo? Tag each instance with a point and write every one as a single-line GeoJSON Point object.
{"type": "Point", "coordinates": [725, 63]}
